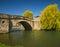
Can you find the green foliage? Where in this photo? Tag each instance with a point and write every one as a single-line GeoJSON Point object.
{"type": "Point", "coordinates": [28, 14]}
{"type": "Point", "coordinates": [50, 17]}
{"type": "Point", "coordinates": [3, 45]}
{"type": "Point", "coordinates": [58, 20]}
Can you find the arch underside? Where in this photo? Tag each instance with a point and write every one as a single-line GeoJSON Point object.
{"type": "Point", "coordinates": [26, 25]}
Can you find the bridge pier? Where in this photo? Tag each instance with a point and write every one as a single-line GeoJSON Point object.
{"type": "Point", "coordinates": [36, 24]}
{"type": "Point", "coordinates": [4, 26]}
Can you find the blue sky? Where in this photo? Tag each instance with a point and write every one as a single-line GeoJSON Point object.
{"type": "Point", "coordinates": [17, 7]}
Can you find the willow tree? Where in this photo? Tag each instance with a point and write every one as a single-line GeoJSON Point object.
{"type": "Point", "coordinates": [28, 14]}
{"type": "Point", "coordinates": [49, 17]}
{"type": "Point", "coordinates": [58, 20]}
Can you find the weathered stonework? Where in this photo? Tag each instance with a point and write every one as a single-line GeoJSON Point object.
{"type": "Point", "coordinates": [36, 23]}
{"type": "Point", "coordinates": [8, 21]}
{"type": "Point", "coordinates": [4, 26]}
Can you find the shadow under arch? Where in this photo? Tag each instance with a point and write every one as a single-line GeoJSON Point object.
{"type": "Point", "coordinates": [10, 25]}
{"type": "Point", "coordinates": [26, 25]}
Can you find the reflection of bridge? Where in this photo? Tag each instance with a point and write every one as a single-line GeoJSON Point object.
{"type": "Point", "coordinates": [9, 21]}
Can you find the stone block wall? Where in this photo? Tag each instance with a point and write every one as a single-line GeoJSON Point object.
{"type": "Point", "coordinates": [4, 26]}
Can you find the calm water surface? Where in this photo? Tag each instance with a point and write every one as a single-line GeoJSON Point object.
{"type": "Point", "coordinates": [31, 38]}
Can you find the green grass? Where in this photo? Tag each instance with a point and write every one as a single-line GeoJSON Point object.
{"type": "Point", "coordinates": [3, 45]}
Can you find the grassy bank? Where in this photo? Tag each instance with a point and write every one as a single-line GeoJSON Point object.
{"type": "Point", "coordinates": [3, 45]}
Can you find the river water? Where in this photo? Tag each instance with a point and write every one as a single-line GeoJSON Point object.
{"type": "Point", "coordinates": [31, 38]}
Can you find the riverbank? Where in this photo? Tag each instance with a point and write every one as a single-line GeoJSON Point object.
{"type": "Point", "coordinates": [3, 45]}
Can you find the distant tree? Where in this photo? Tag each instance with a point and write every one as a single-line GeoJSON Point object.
{"type": "Point", "coordinates": [50, 17]}
{"type": "Point", "coordinates": [28, 14]}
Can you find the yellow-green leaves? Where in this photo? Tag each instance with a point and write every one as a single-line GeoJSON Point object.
{"type": "Point", "coordinates": [49, 16]}
{"type": "Point", "coordinates": [28, 14]}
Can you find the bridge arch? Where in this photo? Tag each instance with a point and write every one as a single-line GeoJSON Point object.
{"type": "Point", "coordinates": [26, 25]}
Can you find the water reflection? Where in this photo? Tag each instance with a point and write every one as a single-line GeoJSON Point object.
{"type": "Point", "coordinates": [31, 38]}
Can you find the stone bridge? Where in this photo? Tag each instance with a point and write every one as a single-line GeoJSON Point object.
{"type": "Point", "coordinates": [7, 22]}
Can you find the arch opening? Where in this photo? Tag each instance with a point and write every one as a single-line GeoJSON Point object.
{"type": "Point", "coordinates": [26, 25]}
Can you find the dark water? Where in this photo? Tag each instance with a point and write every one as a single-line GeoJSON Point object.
{"type": "Point", "coordinates": [31, 38]}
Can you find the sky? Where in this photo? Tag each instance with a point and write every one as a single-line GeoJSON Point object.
{"type": "Point", "coordinates": [18, 7]}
